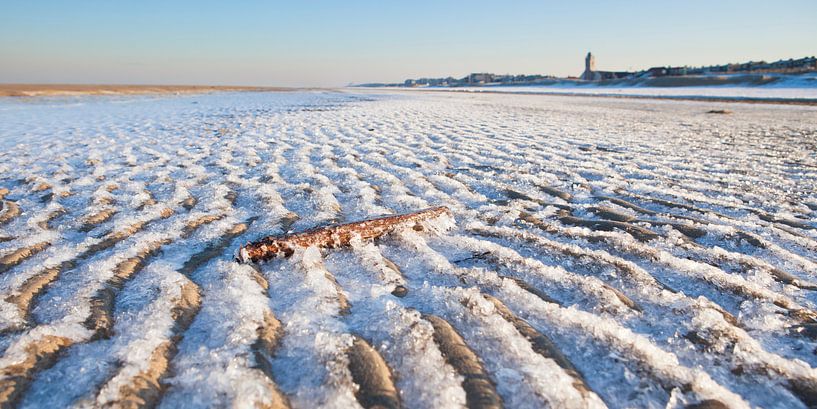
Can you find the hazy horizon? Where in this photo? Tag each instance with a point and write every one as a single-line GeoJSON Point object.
{"type": "Point", "coordinates": [334, 44]}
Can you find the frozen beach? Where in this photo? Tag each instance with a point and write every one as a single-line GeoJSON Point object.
{"type": "Point", "coordinates": [601, 252]}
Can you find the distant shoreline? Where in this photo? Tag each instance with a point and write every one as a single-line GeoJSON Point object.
{"type": "Point", "coordinates": [47, 90]}
{"type": "Point", "coordinates": [701, 98]}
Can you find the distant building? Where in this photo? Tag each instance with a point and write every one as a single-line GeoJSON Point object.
{"type": "Point", "coordinates": [590, 73]}
{"type": "Point", "coordinates": [657, 71]}
{"type": "Point", "coordinates": [480, 78]}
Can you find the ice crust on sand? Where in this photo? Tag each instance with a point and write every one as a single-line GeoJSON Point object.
{"type": "Point", "coordinates": [667, 254]}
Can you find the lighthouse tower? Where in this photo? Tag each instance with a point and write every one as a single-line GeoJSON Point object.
{"type": "Point", "coordinates": [589, 73]}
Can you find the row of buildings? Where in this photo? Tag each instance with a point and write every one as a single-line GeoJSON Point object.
{"type": "Point", "coordinates": [477, 78]}
{"type": "Point", "coordinates": [790, 66]}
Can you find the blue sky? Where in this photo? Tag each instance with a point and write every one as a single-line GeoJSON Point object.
{"type": "Point", "coordinates": [332, 43]}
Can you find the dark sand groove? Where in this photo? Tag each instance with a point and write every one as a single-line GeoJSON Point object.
{"type": "Point", "coordinates": [628, 205]}
{"type": "Point", "coordinates": [32, 287]}
{"type": "Point", "coordinates": [144, 389]}
{"type": "Point", "coordinates": [480, 389]}
{"type": "Point", "coordinates": [373, 376]}
{"type": "Point", "coordinates": [100, 319]}
{"type": "Point", "coordinates": [213, 249]}
{"type": "Point", "coordinates": [400, 290]}
{"type": "Point", "coordinates": [556, 193]}
{"type": "Point", "coordinates": [531, 289]}
{"type": "Point", "coordinates": [344, 307]}
{"type": "Point", "coordinates": [12, 210]}
{"type": "Point", "coordinates": [638, 232]}
{"type": "Point", "coordinates": [193, 225]}
{"type": "Point", "coordinates": [16, 257]}
{"type": "Point", "coordinates": [115, 237]}
{"type": "Point", "coordinates": [40, 354]}
{"type": "Point", "coordinates": [542, 345]}
{"type": "Point", "coordinates": [269, 335]}
{"type": "Point", "coordinates": [45, 224]}
{"type": "Point", "coordinates": [678, 205]}
{"type": "Point", "coordinates": [189, 203]}
{"type": "Point", "coordinates": [96, 219]}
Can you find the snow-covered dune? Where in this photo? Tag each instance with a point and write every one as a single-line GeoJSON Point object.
{"type": "Point", "coordinates": [769, 93]}
{"type": "Point", "coordinates": [601, 252]}
{"type": "Point", "coordinates": [800, 88]}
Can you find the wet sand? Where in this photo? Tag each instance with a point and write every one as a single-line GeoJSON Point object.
{"type": "Point", "coordinates": [35, 90]}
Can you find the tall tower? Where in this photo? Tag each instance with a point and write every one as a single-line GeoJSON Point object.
{"type": "Point", "coordinates": [590, 62]}
{"type": "Point", "coordinates": [589, 68]}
